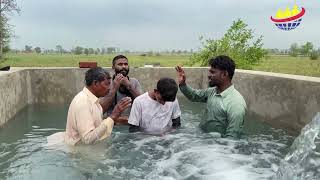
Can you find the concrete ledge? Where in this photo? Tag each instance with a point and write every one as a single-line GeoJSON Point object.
{"type": "Point", "coordinates": [282, 100]}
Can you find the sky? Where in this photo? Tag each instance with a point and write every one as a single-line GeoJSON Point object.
{"type": "Point", "coordinates": [157, 25]}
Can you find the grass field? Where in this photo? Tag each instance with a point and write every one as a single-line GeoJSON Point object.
{"type": "Point", "coordinates": [280, 64]}
{"type": "Point", "coordinates": [69, 60]}
{"type": "Point", "coordinates": [290, 65]}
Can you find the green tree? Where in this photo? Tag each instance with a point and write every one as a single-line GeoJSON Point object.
{"type": "Point", "coordinates": [86, 51]}
{"type": "Point", "coordinates": [314, 55]}
{"type": "Point", "coordinates": [78, 50]}
{"type": "Point", "coordinates": [103, 50]}
{"type": "Point", "coordinates": [38, 50]}
{"type": "Point", "coordinates": [59, 49]}
{"type": "Point", "coordinates": [28, 49]}
{"type": "Point", "coordinates": [6, 49]}
{"type": "Point", "coordinates": [91, 51]}
{"type": "Point", "coordinates": [7, 7]}
{"type": "Point", "coordinates": [306, 49]}
{"type": "Point", "coordinates": [238, 43]}
{"type": "Point", "coordinates": [111, 50]}
{"type": "Point", "coordinates": [294, 50]}
{"type": "Point", "coordinates": [97, 51]}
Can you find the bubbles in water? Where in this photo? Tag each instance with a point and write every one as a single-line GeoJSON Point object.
{"type": "Point", "coordinates": [303, 160]}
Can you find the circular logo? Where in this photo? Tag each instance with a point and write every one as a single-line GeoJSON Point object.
{"type": "Point", "coordinates": [288, 20]}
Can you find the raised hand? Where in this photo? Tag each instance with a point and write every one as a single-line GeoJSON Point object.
{"type": "Point", "coordinates": [181, 76]}
{"type": "Point", "coordinates": [125, 82]}
{"type": "Point", "coordinates": [120, 107]}
{"type": "Point", "coordinates": [117, 81]}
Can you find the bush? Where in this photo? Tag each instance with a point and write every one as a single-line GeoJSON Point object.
{"type": "Point", "coordinates": [314, 55]}
{"type": "Point", "coordinates": [238, 43]}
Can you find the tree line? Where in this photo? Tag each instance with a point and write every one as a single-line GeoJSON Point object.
{"type": "Point", "coordinates": [79, 50]}
{"type": "Point", "coordinates": [305, 50]}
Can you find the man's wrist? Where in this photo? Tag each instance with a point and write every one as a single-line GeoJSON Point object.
{"type": "Point", "coordinates": [114, 116]}
{"type": "Point", "coordinates": [129, 87]}
{"type": "Point", "coordinates": [108, 121]}
{"type": "Point", "coordinates": [182, 84]}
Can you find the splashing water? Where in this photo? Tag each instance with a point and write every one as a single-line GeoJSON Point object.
{"type": "Point", "coordinates": [303, 160]}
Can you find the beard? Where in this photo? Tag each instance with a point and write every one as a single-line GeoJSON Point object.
{"type": "Point", "coordinates": [211, 83]}
{"type": "Point", "coordinates": [124, 72]}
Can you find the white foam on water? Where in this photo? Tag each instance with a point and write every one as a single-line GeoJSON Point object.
{"type": "Point", "coordinates": [204, 158]}
{"type": "Point", "coordinates": [303, 160]}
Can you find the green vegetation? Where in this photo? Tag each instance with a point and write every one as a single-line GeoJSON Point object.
{"type": "Point", "coordinates": [279, 64]}
{"type": "Point", "coordinates": [290, 65]}
{"type": "Point", "coordinates": [7, 8]}
{"type": "Point", "coordinates": [238, 42]}
{"type": "Point", "coordinates": [306, 49]}
{"type": "Point", "coordinates": [71, 60]}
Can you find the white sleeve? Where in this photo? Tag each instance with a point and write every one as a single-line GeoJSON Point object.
{"type": "Point", "coordinates": [135, 113]}
{"type": "Point", "coordinates": [176, 110]}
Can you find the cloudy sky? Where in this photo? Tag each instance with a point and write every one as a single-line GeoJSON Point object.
{"type": "Point", "coordinates": [143, 25]}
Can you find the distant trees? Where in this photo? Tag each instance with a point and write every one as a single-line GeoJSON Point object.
{"type": "Point", "coordinates": [97, 51]}
{"type": "Point", "coordinates": [28, 49]}
{"type": "Point", "coordinates": [78, 50]}
{"type": "Point", "coordinates": [86, 51]}
{"type": "Point", "coordinates": [111, 50]}
{"type": "Point", "coordinates": [306, 49]}
{"type": "Point", "coordinates": [37, 50]}
{"type": "Point", "coordinates": [294, 50]}
{"type": "Point", "coordinates": [91, 51]}
{"type": "Point", "coordinates": [59, 49]}
{"type": "Point", "coordinates": [103, 50]}
{"type": "Point", "coordinates": [314, 55]}
{"type": "Point", "coordinates": [7, 7]}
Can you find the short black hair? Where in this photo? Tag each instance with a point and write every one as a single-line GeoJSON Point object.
{"type": "Point", "coordinates": [96, 74]}
{"type": "Point", "coordinates": [224, 63]}
{"type": "Point", "coordinates": [167, 88]}
{"type": "Point", "coordinates": [118, 57]}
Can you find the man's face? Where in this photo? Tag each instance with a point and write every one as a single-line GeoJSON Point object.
{"type": "Point", "coordinates": [102, 87]}
{"type": "Point", "coordinates": [215, 77]}
{"type": "Point", "coordinates": [159, 97]}
{"type": "Point", "coordinates": [121, 66]}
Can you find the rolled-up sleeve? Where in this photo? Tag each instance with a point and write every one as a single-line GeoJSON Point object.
{"type": "Point", "coordinates": [85, 126]}
{"type": "Point", "coordinates": [101, 132]}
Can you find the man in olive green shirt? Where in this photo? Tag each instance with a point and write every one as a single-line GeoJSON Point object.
{"type": "Point", "coordinates": [226, 107]}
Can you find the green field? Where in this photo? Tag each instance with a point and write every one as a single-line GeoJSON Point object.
{"type": "Point", "coordinates": [69, 60]}
{"type": "Point", "coordinates": [280, 64]}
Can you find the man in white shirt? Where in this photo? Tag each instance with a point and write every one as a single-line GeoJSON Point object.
{"type": "Point", "coordinates": [156, 111]}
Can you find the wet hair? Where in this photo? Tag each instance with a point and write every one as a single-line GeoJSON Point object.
{"type": "Point", "coordinates": [96, 74]}
{"type": "Point", "coordinates": [224, 63]}
{"type": "Point", "coordinates": [167, 88]}
{"type": "Point", "coordinates": [118, 57]}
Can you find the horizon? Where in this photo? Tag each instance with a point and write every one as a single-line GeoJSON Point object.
{"type": "Point", "coordinates": [160, 25]}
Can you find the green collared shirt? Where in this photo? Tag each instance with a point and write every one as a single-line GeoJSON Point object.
{"type": "Point", "coordinates": [225, 112]}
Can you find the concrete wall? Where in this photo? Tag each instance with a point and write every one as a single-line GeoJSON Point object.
{"type": "Point", "coordinates": [284, 101]}
{"type": "Point", "coordinates": [14, 91]}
